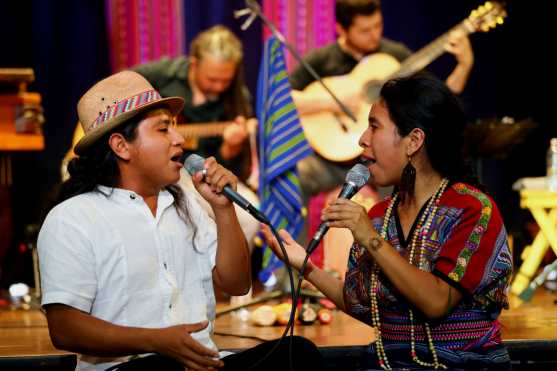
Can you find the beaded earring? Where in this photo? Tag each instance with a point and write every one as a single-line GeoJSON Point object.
{"type": "Point", "coordinates": [407, 181]}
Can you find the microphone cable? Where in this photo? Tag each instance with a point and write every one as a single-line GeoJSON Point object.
{"type": "Point", "coordinates": [293, 295]}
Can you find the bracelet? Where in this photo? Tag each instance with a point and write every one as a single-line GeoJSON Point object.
{"type": "Point", "coordinates": [375, 243]}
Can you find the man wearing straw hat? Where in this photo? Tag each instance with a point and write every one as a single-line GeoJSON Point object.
{"type": "Point", "coordinates": [128, 259]}
{"type": "Point", "coordinates": [211, 81]}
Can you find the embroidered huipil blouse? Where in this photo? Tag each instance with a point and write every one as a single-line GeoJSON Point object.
{"type": "Point", "coordinates": [467, 247]}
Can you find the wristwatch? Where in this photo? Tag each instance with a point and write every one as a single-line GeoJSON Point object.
{"type": "Point", "coordinates": [375, 243]}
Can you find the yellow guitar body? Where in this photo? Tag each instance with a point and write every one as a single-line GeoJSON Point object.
{"type": "Point", "coordinates": [334, 135]}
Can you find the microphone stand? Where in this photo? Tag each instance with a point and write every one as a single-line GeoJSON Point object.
{"type": "Point", "coordinates": [254, 11]}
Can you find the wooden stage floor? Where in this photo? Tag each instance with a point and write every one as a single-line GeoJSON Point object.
{"type": "Point", "coordinates": [24, 334]}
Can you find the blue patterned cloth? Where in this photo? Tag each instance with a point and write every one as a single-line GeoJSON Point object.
{"type": "Point", "coordinates": [281, 145]}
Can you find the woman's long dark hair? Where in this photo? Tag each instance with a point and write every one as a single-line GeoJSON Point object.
{"type": "Point", "coordinates": [99, 166]}
{"type": "Point", "coordinates": [422, 101]}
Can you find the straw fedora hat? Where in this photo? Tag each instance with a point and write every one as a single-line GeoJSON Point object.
{"type": "Point", "coordinates": [113, 101]}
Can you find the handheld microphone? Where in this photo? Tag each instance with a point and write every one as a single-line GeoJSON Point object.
{"type": "Point", "coordinates": [194, 163]}
{"type": "Point", "coordinates": [356, 178]}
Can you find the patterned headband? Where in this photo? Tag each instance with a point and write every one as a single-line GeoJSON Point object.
{"type": "Point", "coordinates": [126, 105]}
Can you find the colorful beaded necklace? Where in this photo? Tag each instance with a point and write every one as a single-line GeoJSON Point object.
{"type": "Point", "coordinates": [421, 231]}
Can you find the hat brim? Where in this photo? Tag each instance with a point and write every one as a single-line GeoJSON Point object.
{"type": "Point", "coordinates": [174, 104]}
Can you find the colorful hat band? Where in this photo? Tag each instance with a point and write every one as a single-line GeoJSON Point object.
{"type": "Point", "coordinates": [126, 105]}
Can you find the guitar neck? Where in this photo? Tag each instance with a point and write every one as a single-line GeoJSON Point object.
{"type": "Point", "coordinates": [203, 130]}
{"type": "Point", "coordinates": [430, 52]}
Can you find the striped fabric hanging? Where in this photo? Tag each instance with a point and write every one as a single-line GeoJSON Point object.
{"type": "Point", "coordinates": [281, 145]}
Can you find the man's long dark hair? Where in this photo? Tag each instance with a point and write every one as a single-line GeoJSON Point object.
{"type": "Point", "coordinates": [422, 101]}
{"type": "Point", "coordinates": [99, 166]}
{"type": "Point", "coordinates": [236, 102]}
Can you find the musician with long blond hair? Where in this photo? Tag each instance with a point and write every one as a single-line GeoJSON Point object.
{"type": "Point", "coordinates": [211, 82]}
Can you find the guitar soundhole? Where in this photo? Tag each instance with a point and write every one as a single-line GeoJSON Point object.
{"type": "Point", "coordinates": [372, 89]}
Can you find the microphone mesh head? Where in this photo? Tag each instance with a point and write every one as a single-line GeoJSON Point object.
{"type": "Point", "coordinates": [358, 175]}
{"type": "Point", "coordinates": [194, 163]}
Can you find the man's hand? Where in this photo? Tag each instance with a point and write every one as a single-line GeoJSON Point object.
{"type": "Point", "coordinates": [176, 342]}
{"type": "Point", "coordinates": [233, 138]}
{"type": "Point", "coordinates": [459, 45]}
{"type": "Point", "coordinates": [235, 134]}
{"type": "Point", "coordinates": [76, 331]}
{"type": "Point", "coordinates": [211, 183]}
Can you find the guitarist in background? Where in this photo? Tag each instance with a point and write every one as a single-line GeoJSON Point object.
{"type": "Point", "coordinates": [360, 29]}
{"type": "Point", "coordinates": [211, 81]}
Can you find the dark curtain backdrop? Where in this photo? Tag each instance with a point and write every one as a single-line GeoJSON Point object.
{"type": "Point", "coordinates": [65, 42]}
{"type": "Point", "coordinates": [511, 67]}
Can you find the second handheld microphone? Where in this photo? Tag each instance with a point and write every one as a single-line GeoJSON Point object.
{"type": "Point", "coordinates": [356, 178]}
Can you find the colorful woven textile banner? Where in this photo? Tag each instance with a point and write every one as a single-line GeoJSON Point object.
{"type": "Point", "coordinates": [144, 30]}
{"type": "Point", "coordinates": [281, 145]}
{"type": "Point", "coordinates": [306, 24]}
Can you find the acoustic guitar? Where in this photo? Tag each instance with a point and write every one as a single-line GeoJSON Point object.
{"type": "Point", "coordinates": [193, 132]}
{"type": "Point", "coordinates": [334, 135]}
